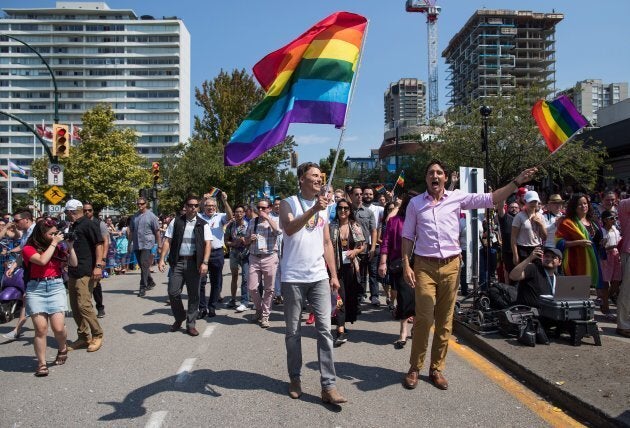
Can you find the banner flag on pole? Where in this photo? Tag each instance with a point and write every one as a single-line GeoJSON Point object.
{"type": "Point", "coordinates": [558, 121]}
{"type": "Point", "coordinates": [306, 81]}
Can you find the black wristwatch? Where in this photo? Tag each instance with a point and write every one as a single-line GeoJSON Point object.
{"type": "Point", "coordinates": [100, 266]}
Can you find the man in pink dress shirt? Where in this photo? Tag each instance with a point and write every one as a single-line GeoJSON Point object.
{"type": "Point", "coordinates": [432, 224]}
{"type": "Point", "coordinates": [623, 301]}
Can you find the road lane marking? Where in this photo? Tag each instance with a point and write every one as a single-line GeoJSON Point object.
{"type": "Point", "coordinates": [184, 369]}
{"type": "Point", "coordinates": [208, 331]}
{"type": "Point", "coordinates": [157, 419]}
{"type": "Point", "coordinates": [542, 408]}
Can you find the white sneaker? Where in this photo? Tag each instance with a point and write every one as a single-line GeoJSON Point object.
{"type": "Point", "coordinates": [241, 308]}
{"type": "Point", "coordinates": [12, 335]}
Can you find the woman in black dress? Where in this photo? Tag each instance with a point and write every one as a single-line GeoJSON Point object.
{"type": "Point", "coordinates": [348, 242]}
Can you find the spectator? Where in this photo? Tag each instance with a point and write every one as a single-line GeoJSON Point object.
{"type": "Point", "coordinates": [611, 264]}
{"type": "Point", "coordinates": [144, 233]}
{"type": "Point", "coordinates": [623, 301]}
{"type": "Point", "coordinates": [528, 228]}
{"type": "Point", "coordinates": [45, 293]}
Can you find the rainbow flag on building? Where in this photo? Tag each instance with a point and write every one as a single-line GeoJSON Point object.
{"type": "Point", "coordinates": [557, 120]}
{"type": "Point", "coordinates": [306, 81]}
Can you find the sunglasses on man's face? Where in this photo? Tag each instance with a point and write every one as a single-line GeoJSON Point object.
{"type": "Point", "coordinates": [141, 203]}
{"type": "Point", "coordinates": [192, 205]}
{"type": "Point", "coordinates": [262, 208]}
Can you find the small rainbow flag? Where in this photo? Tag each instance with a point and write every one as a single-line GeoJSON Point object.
{"type": "Point", "coordinates": [557, 121]}
{"type": "Point", "coordinates": [214, 192]}
{"type": "Point", "coordinates": [379, 188]}
{"type": "Point", "coordinates": [401, 179]}
{"type": "Point", "coordinates": [306, 81]}
{"type": "Point", "coordinates": [4, 174]}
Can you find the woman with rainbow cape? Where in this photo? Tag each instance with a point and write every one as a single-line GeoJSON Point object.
{"type": "Point", "coordinates": [578, 236]}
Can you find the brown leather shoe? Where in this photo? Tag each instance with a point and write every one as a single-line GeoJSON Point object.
{"type": "Point", "coordinates": [411, 378]}
{"type": "Point", "coordinates": [192, 331]}
{"type": "Point", "coordinates": [295, 388]}
{"type": "Point", "coordinates": [333, 396]}
{"type": "Point", "coordinates": [78, 344]}
{"type": "Point", "coordinates": [176, 326]}
{"type": "Point", "coordinates": [95, 344]}
{"type": "Point", "coordinates": [438, 379]}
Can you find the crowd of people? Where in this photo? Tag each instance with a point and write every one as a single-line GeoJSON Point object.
{"type": "Point", "coordinates": [329, 253]}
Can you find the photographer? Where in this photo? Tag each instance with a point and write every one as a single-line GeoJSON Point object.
{"type": "Point", "coordinates": [536, 275]}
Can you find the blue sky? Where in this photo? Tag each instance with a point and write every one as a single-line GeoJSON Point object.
{"type": "Point", "coordinates": [591, 42]}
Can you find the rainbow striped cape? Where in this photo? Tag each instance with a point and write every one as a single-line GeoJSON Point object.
{"type": "Point", "coordinates": [577, 260]}
{"type": "Point", "coordinates": [557, 121]}
{"type": "Point", "coordinates": [306, 81]}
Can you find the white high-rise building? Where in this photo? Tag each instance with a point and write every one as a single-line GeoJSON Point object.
{"type": "Point", "coordinates": [138, 65]}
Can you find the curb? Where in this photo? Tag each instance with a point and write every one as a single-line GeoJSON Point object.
{"type": "Point", "coordinates": [577, 407]}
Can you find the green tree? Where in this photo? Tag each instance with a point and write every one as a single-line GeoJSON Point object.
{"type": "Point", "coordinates": [198, 165]}
{"type": "Point", "coordinates": [104, 167]}
{"type": "Point", "coordinates": [514, 143]}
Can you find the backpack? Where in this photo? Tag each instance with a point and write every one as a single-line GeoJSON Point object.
{"type": "Point", "coordinates": [501, 296]}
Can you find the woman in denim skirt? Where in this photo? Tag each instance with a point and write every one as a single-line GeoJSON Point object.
{"type": "Point", "coordinates": [45, 257]}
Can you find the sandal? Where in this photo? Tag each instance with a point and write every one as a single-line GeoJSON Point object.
{"type": "Point", "coordinates": [42, 370]}
{"type": "Point", "coordinates": [61, 357]}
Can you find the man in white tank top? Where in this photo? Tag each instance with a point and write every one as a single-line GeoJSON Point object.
{"type": "Point", "coordinates": [307, 251]}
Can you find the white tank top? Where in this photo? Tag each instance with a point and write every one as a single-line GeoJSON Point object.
{"type": "Point", "coordinates": [303, 252]}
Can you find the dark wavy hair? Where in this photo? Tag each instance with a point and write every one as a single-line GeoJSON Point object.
{"type": "Point", "coordinates": [573, 203]}
{"type": "Point", "coordinates": [402, 209]}
{"type": "Point", "coordinates": [38, 236]}
{"type": "Point", "coordinates": [350, 214]}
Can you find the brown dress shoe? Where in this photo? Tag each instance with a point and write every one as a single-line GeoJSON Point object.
{"type": "Point", "coordinates": [411, 378]}
{"type": "Point", "coordinates": [78, 344]}
{"type": "Point", "coordinates": [176, 326]}
{"type": "Point", "coordinates": [192, 331]}
{"type": "Point", "coordinates": [295, 388]}
{"type": "Point", "coordinates": [333, 396]}
{"type": "Point", "coordinates": [438, 379]}
{"type": "Point", "coordinates": [95, 344]}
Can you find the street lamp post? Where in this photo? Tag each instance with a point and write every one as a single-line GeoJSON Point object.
{"type": "Point", "coordinates": [52, 76]}
{"type": "Point", "coordinates": [397, 142]}
{"type": "Point", "coordinates": [485, 113]}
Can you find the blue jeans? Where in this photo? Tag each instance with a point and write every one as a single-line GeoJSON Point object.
{"type": "Point", "coordinates": [318, 295]}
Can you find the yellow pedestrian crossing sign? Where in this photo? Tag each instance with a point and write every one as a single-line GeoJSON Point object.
{"type": "Point", "coordinates": [54, 195]}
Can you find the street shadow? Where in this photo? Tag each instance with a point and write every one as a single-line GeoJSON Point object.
{"type": "Point", "coordinates": [18, 364]}
{"type": "Point", "coordinates": [160, 311]}
{"type": "Point", "coordinates": [148, 328]}
{"type": "Point", "coordinates": [365, 378]}
{"type": "Point", "coordinates": [205, 382]}
{"type": "Point", "coordinates": [119, 291]}
{"type": "Point", "coordinates": [228, 320]}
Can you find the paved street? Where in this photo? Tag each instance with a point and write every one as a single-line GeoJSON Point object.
{"type": "Point", "coordinates": [234, 374]}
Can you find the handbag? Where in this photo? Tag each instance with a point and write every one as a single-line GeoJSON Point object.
{"type": "Point", "coordinates": [527, 332]}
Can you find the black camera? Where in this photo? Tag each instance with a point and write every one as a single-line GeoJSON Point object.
{"type": "Point", "coordinates": [70, 235]}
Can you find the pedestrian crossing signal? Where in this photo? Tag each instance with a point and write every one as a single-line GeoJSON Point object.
{"type": "Point", "coordinates": [61, 141]}
{"type": "Point", "coordinates": [155, 169]}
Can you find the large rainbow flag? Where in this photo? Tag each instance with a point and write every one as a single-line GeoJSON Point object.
{"type": "Point", "coordinates": [306, 81]}
{"type": "Point", "coordinates": [557, 121]}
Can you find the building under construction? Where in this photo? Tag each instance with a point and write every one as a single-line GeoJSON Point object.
{"type": "Point", "coordinates": [499, 50]}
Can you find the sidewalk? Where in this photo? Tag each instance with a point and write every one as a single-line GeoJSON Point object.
{"type": "Point", "coordinates": [592, 382]}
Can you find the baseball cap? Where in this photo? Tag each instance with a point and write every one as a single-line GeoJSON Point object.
{"type": "Point", "coordinates": [532, 195]}
{"type": "Point", "coordinates": [521, 191]}
{"type": "Point", "coordinates": [72, 205]}
{"type": "Point", "coordinates": [556, 252]}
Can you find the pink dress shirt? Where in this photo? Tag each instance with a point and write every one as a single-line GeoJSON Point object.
{"type": "Point", "coordinates": [434, 227]}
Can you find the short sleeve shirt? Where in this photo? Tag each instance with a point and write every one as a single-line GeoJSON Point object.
{"type": "Point", "coordinates": [87, 236]}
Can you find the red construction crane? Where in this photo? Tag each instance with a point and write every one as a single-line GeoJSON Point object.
{"type": "Point", "coordinates": [431, 10]}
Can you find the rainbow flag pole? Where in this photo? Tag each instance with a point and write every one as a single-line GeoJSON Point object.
{"type": "Point", "coordinates": [400, 181]}
{"type": "Point", "coordinates": [343, 128]}
{"type": "Point", "coordinates": [558, 122]}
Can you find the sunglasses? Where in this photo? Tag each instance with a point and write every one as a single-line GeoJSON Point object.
{"type": "Point", "coordinates": [262, 208]}
{"type": "Point", "coordinates": [141, 203]}
{"type": "Point", "coordinates": [193, 205]}
{"type": "Point", "coordinates": [343, 208]}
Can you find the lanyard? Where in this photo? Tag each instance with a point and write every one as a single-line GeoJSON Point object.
{"type": "Point", "coordinates": [552, 282]}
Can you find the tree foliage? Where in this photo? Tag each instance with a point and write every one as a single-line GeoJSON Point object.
{"type": "Point", "coordinates": [104, 167]}
{"type": "Point", "coordinates": [514, 143]}
{"type": "Point", "coordinates": [198, 165]}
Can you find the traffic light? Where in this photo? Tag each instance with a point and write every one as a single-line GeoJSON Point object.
{"type": "Point", "coordinates": [155, 169]}
{"type": "Point", "coordinates": [61, 141]}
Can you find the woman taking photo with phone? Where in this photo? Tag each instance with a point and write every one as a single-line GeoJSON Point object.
{"type": "Point", "coordinates": [44, 259]}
